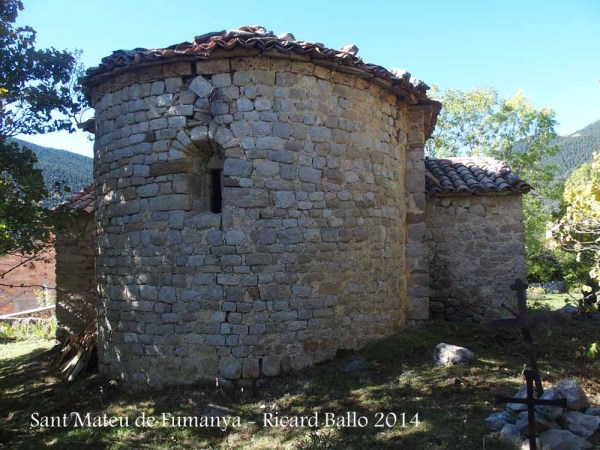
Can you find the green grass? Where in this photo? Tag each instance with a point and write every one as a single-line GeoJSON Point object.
{"type": "Point", "coordinates": [553, 301]}
{"type": "Point", "coordinates": [400, 378]}
{"type": "Point", "coordinates": [24, 330]}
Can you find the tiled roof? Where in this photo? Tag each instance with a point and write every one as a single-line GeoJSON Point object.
{"type": "Point", "coordinates": [257, 38]}
{"type": "Point", "coordinates": [471, 176]}
{"type": "Point", "coordinates": [80, 201]}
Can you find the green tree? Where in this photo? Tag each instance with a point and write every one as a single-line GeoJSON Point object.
{"type": "Point", "coordinates": [579, 228]}
{"type": "Point", "coordinates": [24, 226]}
{"type": "Point", "coordinates": [479, 123]}
{"type": "Point", "coordinates": [38, 93]}
{"type": "Point", "coordinates": [38, 90]}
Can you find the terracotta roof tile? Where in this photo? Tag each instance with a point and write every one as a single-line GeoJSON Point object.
{"type": "Point", "coordinates": [258, 38]}
{"type": "Point", "coordinates": [471, 176]}
{"type": "Point", "coordinates": [80, 201]}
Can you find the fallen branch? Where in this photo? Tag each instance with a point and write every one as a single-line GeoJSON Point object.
{"type": "Point", "coordinates": [75, 355]}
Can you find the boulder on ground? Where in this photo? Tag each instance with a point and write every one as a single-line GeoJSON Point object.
{"type": "Point", "coordinates": [593, 411]}
{"type": "Point", "coordinates": [517, 407]}
{"type": "Point", "coordinates": [576, 398]}
{"type": "Point", "coordinates": [495, 421]}
{"type": "Point", "coordinates": [551, 412]}
{"type": "Point", "coordinates": [452, 355]}
{"type": "Point", "coordinates": [542, 423]}
{"type": "Point", "coordinates": [510, 435]}
{"type": "Point", "coordinates": [562, 440]}
{"type": "Point", "coordinates": [580, 424]}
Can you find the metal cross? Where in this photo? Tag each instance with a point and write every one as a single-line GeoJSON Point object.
{"type": "Point", "coordinates": [521, 321]}
{"type": "Point", "coordinates": [531, 402]}
{"type": "Point", "coordinates": [532, 375]}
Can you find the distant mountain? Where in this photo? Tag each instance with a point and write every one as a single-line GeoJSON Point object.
{"type": "Point", "coordinates": [60, 165]}
{"type": "Point", "coordinates": [576, 149]}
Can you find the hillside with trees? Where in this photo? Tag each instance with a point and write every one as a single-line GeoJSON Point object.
{"type": "Point", "coordinates": [575, 150]}
{"type": "Point", "coordinates": [71, 169]}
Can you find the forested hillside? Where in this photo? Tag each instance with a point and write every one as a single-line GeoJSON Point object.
{"type": "Point", "coordinates": [576, 149]}
{"type": "Point", "coordinates": [60, 165]}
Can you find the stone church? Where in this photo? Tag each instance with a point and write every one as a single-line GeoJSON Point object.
{"type": "Point", "coordinates": [261, 202]}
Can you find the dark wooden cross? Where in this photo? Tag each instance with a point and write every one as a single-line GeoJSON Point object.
{"type": "Point", "coordinates": [531, 401]}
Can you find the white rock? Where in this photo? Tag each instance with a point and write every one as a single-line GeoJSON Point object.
{"type": "Point", "coordinates": [580, 424]}
{"type": "Point", "coordinates": [551, 412]}
{"type": "Point", "coordinates": [562, 440]}
{"type": "Point", "coordinates": [286, 37]}
{"type": "Point", "coordinates": [452, 355]}
{"type": "Point", "coordinates": [541, 423]}
{"type": "Point", "coordinates": [576, 398]}
{"type": "Point", "coordinates": [350, 48]}
{"type": "Point", "coordinates": [521, 393]}
{"type": "Point", "coordinates": [510, 435]}
{"type": "Point", "coordinates": [496, 421]}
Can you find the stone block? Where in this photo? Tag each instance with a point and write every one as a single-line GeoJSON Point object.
{"type": "Point", "coordinates": [228, 279]}
{"type": "Point", "coordinates": [246, 197]}
{"type": "Point", "coordinates": [259, 259]}
{"type": "Point", "coordinates": [230, 368]}
{"type": "Point", "coordinates": [201, 86]}
{"type": "Point", "coordinates": [266, 168]}
{"type": "Point", "coordinates": [250, 368]}
{"type": "Point", "coordinates": [235, 237]}
{"type": "Point", "coordinates": [271, 366]}
{"type": "Point", "coordinates": [285, 199]}
{"type": "Point", "coordinates": [237, 168]}
{"type": "Point", "coordinates": [205, 221]}
{"type": "Point", "coordinates": [212, 66]}
{"type": "Point", "coordinates": [234, 318]}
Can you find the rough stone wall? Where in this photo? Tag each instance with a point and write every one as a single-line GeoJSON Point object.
{"type": "Point", "coordinates": [308, 253]}
{"type": "Point", "coordinates": [76, 298]}
{"type": "Point", "coordinates": [32, 274]}
{"type": "Point", "coordinates": [417, 274]}
{"type": "Point", "coordinates": [476, 251]}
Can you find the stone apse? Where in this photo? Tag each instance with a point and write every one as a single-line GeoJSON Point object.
{"type": "Point", "coordinates": [259, 203]}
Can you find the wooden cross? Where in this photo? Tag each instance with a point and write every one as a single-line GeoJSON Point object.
{"type": "Point", "coordinates": [531, 401]}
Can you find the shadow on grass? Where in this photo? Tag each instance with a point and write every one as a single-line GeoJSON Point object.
{"type": "Point", "coordinates": [398, 377]}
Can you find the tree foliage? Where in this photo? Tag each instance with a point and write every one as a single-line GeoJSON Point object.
{"type": "Point", "coordinates": [575, 149]}
{"type": "Point", "coordinates": [579, 228]}
{"type": "Point", "coordinates": [479, 123]}
{"type": "Point", "coordinates": [23, 223]}
{"type": "Point", "coordinates": [60, 166]}
{"type": "Point", "coordinates": [38, 90]}
{"type": "Point", "coordinates": [38, 93]}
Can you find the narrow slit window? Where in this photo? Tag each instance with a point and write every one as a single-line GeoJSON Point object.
{"type": "Point", "coordinates": [216, 200]}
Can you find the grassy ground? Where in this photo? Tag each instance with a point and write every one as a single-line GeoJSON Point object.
{"type": "Point", "coordinates": [552, 301]}
{"type": "Point", "coordinates": [399, 378]}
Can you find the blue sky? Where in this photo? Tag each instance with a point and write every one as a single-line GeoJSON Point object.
{"type": "Point", "coordinates": [548, 49]}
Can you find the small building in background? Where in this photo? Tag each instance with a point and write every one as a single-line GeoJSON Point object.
{"type": "Point", "coordinates": [23, 286]}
